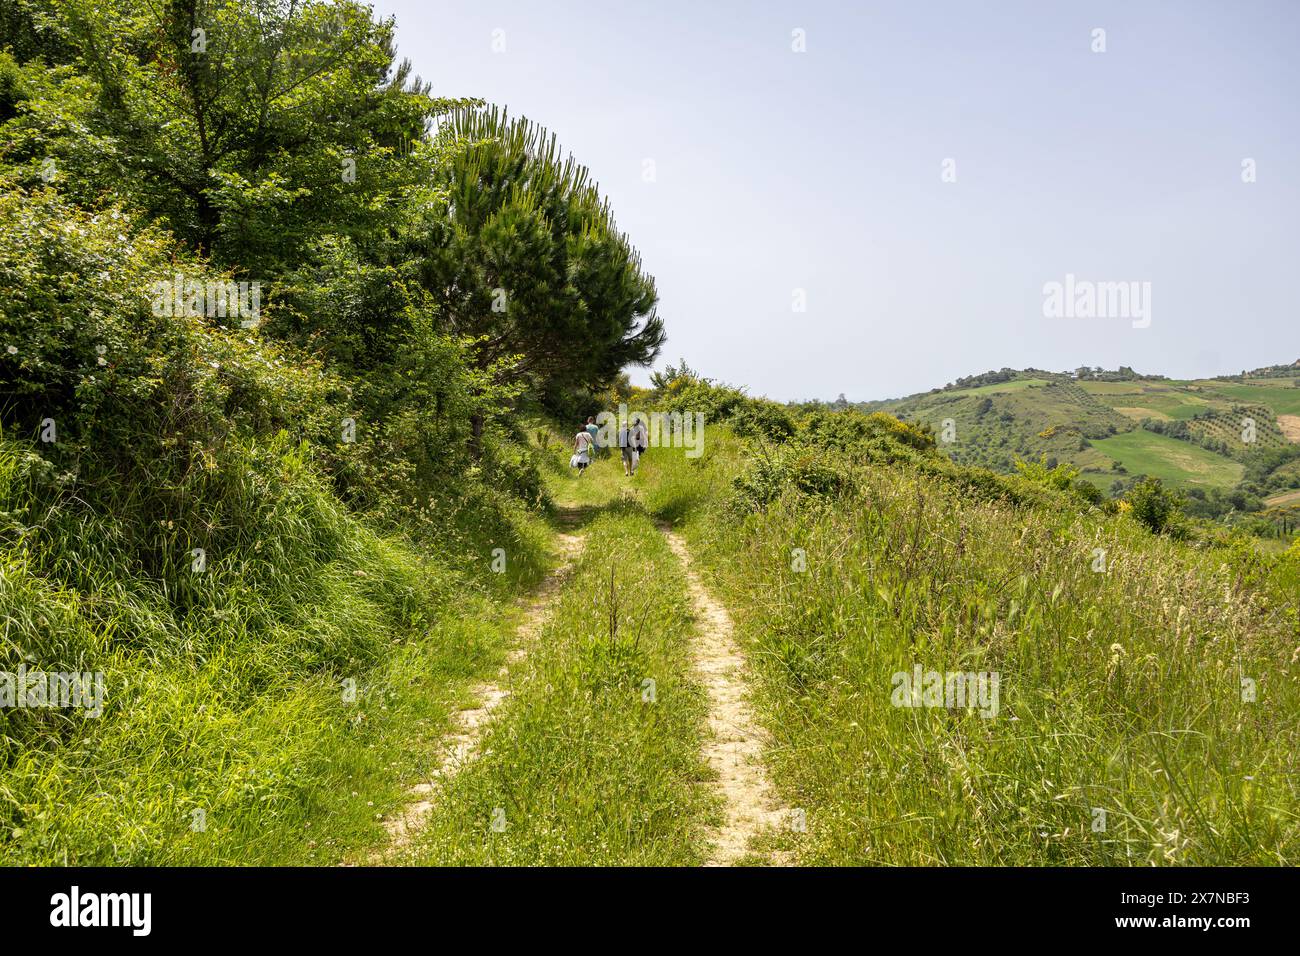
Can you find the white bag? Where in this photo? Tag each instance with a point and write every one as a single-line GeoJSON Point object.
{"type": "Point", "coordinates": [573, 461]}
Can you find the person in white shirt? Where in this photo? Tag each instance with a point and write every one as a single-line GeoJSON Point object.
{"type": "Point", "coordinates": [581, 451]}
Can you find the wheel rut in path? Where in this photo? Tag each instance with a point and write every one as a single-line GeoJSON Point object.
{"type": "Point", "coordinates": [735, 750]}
{"type": "Point", "coordinates": [462, 744]}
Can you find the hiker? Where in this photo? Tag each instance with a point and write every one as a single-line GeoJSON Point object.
{"type": "Point", "coordinates": [640, 439]}
{"type": "Point", "coordinates": [594, 431]}
{"type": "Point", "coordinates": [581, 451]}
{"type": "Point", "coordinates": [625, 444]}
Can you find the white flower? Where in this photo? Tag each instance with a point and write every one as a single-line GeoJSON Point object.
{"type": "Point", "coordinates": [12, 350]}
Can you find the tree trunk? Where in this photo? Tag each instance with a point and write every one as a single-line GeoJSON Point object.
{"type": "Point", "coordinates": [476, 436]}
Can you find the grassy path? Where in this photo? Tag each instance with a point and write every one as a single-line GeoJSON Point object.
{"type": "Point", "coordinates": [594, 758]}
{"type": "Point", "coordinates": [735, 750]}
{"type": "Point", "coordinates": [734, 743]}
{"type": "Point", "coordinates": [619, 729]}
{"type": "Point", "coordinates": [461, 746]}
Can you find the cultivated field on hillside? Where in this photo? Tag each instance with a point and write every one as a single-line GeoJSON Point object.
{"type": "Point", "coordinates": [1173, 461]}
{"type": "Point", "coordinates": [1207, 429]}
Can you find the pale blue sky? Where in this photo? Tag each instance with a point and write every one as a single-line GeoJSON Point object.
{"type": "Point", "coordinates": [820, 171]}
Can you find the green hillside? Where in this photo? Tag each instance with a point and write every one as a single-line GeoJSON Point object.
{"type": "Point", "coordinates": [1175, 462]}
{"type": "Point", "coordinates": [1231, 442]}
{"type": "Point", "coordinates": [993, 424]}
{"type": "Point", "coordinates": [1282, 399]}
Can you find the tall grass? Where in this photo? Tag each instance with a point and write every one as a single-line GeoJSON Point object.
{"type": "Point", "coordinates": [1122, 737]}
{"type": "Point", "coordinates": [267, 709]}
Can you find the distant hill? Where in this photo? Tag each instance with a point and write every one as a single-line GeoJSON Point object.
{"type": "Point", "coordinates": [1268, 371]}
{"type": "Point", "coordinates": [1232, 439]}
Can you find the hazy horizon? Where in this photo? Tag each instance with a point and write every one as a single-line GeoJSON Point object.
{"type": "Point", "coordinates": [823, 171]}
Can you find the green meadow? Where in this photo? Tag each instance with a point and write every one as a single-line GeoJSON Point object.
{"type": "Point", "coordinates": [1177, 462]}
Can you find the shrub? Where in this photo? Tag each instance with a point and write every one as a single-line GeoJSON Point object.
{"type": "Point", "coordinates": [851, 431]}
{"type": "Point", "coordinates": [1062, 476]}
{"type": "Point", "coordinates": [11, 87]}
{"type": "Point", "coordinates": [130, 393]}
{"type": "Point", "coordinates": [511, 464]}
{"type": "Point", "coordinates": [770, 476]}
{"type": "Point", "coordinates": [763, 419]}
{"type": "Point", "coordinates": [717, 402]}
{"type": "Point", "coordinates": [1155, 506]}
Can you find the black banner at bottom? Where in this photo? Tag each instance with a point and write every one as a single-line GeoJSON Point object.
{"type": "Point", "coordinates": [339, 905]}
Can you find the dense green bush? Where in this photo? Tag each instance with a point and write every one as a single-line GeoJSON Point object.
{"type": "Point", "coordinates": [112, 391]}
{"type": "Point", "coordinates": [1154, 505]}
{"type": "Point", "coordinates": [1062, 476]}
{"type": "Point", "coordinates": [717, 402]}
{"type": "Point", "coordinates": [511, 464]}
{"type": "Point", "coordinates": [763, 419]}
{"type": "Point", "coordinates": [11, 87]}
{"type": "Point", "coordinates": [853, 431]}
{"type": "Point", "coordinates": [770, 476]}
{"type": "Point", "coordinates": [827, 444]}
